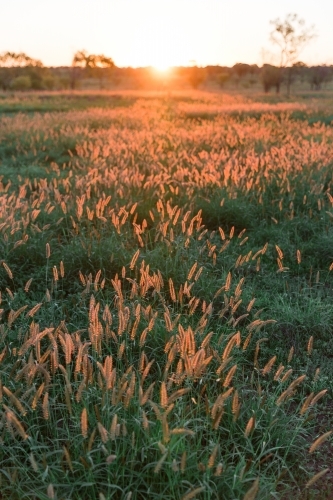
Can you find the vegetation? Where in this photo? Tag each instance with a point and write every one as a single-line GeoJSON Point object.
{"type": "Point", "coordinates": [166, 297]}
{"type": "Point", "coordinates": [97, 72]}
{"type": "Point", "coordinates": [290, 36]}
{"type": "Point", "coordinates": [95, 65]}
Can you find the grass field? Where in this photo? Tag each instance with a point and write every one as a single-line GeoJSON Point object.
{"type": "Point", "coordinates": [166, 312]}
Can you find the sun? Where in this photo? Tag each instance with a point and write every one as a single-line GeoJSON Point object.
{"type": "Point", "coordinates": [162, 67]}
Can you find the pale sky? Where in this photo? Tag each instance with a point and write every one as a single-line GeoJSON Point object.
{"type": "Point", "coordinates": [159, 32]}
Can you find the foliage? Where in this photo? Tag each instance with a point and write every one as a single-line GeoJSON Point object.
{"type": "Point", "coordinates": [95, 65]}
{"type": "Point", "coordinates": [166, 297]}
{"type": "Point", "coordinates": [319, 75]}
{"type": "Point", "coordinates": [222, 78]}
{"type": "Point", "coordinates": [271, 76]}
{"type": "Point", "coordinates": [21, 83]}
{"type": "Point", "coordinates": [196, 76]}
{"type": "Point", "coordinates": [290, 36]}
{"type": "Point", "coordinates": [20, 60]}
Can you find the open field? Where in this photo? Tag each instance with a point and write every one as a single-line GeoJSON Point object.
{"type": "Point", "coordinates": [166, 315]}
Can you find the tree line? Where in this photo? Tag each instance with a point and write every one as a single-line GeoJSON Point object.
{"type": "Point", "coordinates": [21, 72]}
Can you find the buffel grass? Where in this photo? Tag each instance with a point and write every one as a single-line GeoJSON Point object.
{"type": "Point", "coordinates": [166, 300]}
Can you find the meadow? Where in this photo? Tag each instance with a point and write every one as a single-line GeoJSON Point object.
{"type": "Point", "coordinates": [166, 279]}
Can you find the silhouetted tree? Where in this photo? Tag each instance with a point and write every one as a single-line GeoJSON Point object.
{"type": "Point", "coordinates": [240, 70]}
{"type": "Point", "coordinates": [95, 65]}
{"type": "Point", "coordinates": [319, 75]}
{"type": "Point", "coordinates": [271, 76]}
{"type": "Point", "coordinates": [18, 60]}
{"type": "Point", "coordinates": [196, 76]}
{"type": "Point", "coordinates": [222, 78]}
{"type": "Point", "coordinates": [290, 36]}
{"type": "Point", "coordinates": [15, 65]}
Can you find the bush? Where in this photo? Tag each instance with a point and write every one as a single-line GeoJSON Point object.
{"type": "Point", "coordinates": [222, 78]}
{"type": "Point", "coordinates": [196, 76]}
{"type": "Point", "coordinates": [271, 76]}
{"type": "Point", "coordinates": [21, 83]}
{"type": "Point", "coordinates": [49, 82]}
{"type": "Point", "coordinates": [64, 83]}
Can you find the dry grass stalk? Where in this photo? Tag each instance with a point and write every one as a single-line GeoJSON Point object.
{"type": "Point", "coordinates": [50, 491]}
{"type": "Point", "coordinates": [218, 470]}
{"type": "Point", "coordinates": [145, 421]}
{"type": "Point", "coordinates": [68, 458]}
{"type": "Point", "coordinates": [318, 442]}
{"type": "Point", "coordinates": [306, 404]}
{"type": "Point", "coordinates": [251, 494]}
{"type": "Point", "coordinates": [250, 426]}
{"type": "Point", "coordinates": [310, 345]}
{"type": "Point", "coordinates": [193, 493]}
{"type": "Point", "coordinates": [15, 401]}
{"type": "Point", "coordinates": [286, 375]}
{"type": "Point", "coordinates": [13, 422]}
{"type": "Point", "coordinates": [291, 354]}
{"type": "Point", "coordinates": [267, 368]}
{"type": "Point", "coordinates": [183, 462]}
{"type": "Point", "coordinates": [315, 478]}
{"type": "Point", "coordinates": [91, 440]}
{"type": "Point", "coordinates": [27, 285]}
{"type": "Point", "coordinates": [103, 432]}
{"type": "Point", "coordinates": [84, 423]}
{"type": "Point", "coordinates": [8, 271]}
{"type": "Point", "coordinates": [163, 395]}
{"type": "Point", "coordinates": [192, 271]}
{"type": "Point", "coordinates": [318, 396]}
{"type": "Point", "coordinates": [160, 463]}
{"type": "Point", "coordinates": [229, 376]}
{"type": "Point", "coordinates": [212, 458]}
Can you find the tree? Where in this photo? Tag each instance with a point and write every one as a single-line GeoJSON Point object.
{"type": "Point", "coordinates": [20, 60]}
{"type": "Point", "coordinates": [319, 75]}
{"type": "Point", "coordinates": [15, 65]}
{"type": "Point", "coordinates": [21, 83]}
{"type": "Point", "coordinates": [271, 76]}
{"type": "Point", "coordinates": [222, 78]}
{"type": "Point", "coordinates": [196, 76]}
{"type": "Point", "coordinates": [291, 36]}
{"type": "Point", "coordinates": [240, 70]}
{"type": "Point", "coordinates": [94, 65]}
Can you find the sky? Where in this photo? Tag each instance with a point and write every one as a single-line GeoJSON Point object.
{"type": "Point", "coordinates": [160, 33]}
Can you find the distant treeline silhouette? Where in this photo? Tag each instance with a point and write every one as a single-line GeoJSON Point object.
{"type": "Point", "coordinates": [21, 72]}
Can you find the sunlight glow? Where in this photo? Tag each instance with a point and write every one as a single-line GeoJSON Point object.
{"type": "Point", "coordinates": [162, 68]}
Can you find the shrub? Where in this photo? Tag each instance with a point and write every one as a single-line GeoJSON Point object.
{"type": "Point", "coordinates": [21, 83]}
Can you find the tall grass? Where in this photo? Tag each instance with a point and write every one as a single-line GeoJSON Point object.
{"type": "Point", "coordinates": [166, 286]}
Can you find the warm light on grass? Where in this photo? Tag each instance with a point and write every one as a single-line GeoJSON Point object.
{"type": "Point", "coordinates": [156, 270]}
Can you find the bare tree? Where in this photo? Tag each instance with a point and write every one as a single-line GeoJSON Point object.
{"type": "Point", "coordinates": [291, 36]}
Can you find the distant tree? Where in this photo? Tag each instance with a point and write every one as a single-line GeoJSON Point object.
{"type": "Point", "coordinates": [271, 76]}
{"type": "Point", "coordinates": [318, 75]}
{"type": "Point", "coordinates": [18, 60]}
{"type": "Point", "coordinates": [14, 65]}
{"type": "Point", "coordinates": [94, 65]}
{"type": "Point", "coordinates": [222, 78]}
{"type": "Point", "coordinates": [290, 36]}
{"type": "Point", "coordinates": [49, 82]}
{"type": "Point", "coordinates": [196, 76]}
{"type": "Point", "coordinates": [21, 83]}
{"type": "Point", "coordinates": [240, 70]}
{"type": "Point", "coordinates": [300, 70]}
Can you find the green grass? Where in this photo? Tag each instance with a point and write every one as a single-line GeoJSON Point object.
{"type": "Point", "coordinates": [98, 180]}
